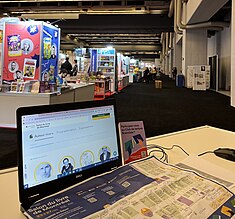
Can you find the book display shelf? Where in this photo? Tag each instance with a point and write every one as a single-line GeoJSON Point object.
{"type": "Point", "coordinates": [106, 64]}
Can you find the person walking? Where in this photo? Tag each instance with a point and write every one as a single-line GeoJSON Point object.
{"type": "Point", "coordinates": [67, 66]}
{"type": "Point", "coordinates": [146, 75]}
{"type": "Point", "coordinates": [174, 72]}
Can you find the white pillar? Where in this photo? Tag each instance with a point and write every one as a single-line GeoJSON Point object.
{"type": "Point", "coordinates": [177, 54]}
{"type": "Point", "coordinates": [167, 65]}
{"type": "Point", "coordinates": [194, 48]}
{"type": "Point", "coordinates": [166, 54]}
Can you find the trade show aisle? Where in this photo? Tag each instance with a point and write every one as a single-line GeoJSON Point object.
{"type": "Point", "coordinates": [164, 110]}
{"type": "Point", "coordinates": [171, 108]}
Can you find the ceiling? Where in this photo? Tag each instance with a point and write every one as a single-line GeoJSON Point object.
{"type": "Point", "coordinates": [133, 27]}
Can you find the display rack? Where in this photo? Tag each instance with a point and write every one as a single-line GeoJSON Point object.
{"type": "Point", "coordinates": [123, 81]}
{"type": "Point", "coordinates": [132, 67]}
{"type": "Point", "coordinates": [106, 63]}
{"type": "Point", "coordinates": [102, 87]}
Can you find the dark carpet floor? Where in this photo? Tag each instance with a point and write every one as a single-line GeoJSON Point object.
{"type": "Point", "coordinates": [8, 148]}
{"type": "Point", "coordinates": [172, 109]}
{"type": "Point", "coordinates": [162, 110]}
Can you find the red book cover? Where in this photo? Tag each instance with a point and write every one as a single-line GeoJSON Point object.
{"type": "Point", "coordinates": [133, 140]}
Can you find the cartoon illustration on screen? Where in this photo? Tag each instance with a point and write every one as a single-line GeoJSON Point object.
{"type": "Point", "coordinates": [67, 165]}
{"type": "Point", "coordinates": [87, 158]}
{"type": "Point", "coordinates": [105, 153]}
{"type": "Point", "coordinates": [43, 171]}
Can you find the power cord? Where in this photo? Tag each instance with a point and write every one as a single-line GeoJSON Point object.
{"type": "Point", "coordinates": [225, 153]}
{"type": "Point", "coordinates": [207, 152]}
{"type": "Point", "coordinates": [218, 152]}
{"type": "Point", "coordinates": [161, 149]}
{"type": "Point", "coordinates": [164, 156]}
{"type": "Point", "coordinates": [178, 146]}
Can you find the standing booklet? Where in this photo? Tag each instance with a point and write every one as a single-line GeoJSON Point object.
{"type": "Point", "coordinates": [133, 140]}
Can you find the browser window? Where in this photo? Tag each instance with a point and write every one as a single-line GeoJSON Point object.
{"type": "Point", "coordinates": [58, 144]}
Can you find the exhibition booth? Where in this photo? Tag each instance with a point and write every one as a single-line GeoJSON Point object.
{"type": "Point", "coordinates": [30, 69]}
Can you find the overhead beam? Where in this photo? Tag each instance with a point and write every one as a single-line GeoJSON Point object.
{"type": "Point", "coordinates": [196, 10]}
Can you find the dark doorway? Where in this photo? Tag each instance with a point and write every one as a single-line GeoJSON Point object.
{"type": "Point", "coordinates": [213, 62]}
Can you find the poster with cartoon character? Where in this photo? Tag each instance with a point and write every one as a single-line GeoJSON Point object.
{"type": "Point", "coordinates": [21, 43]}
{"type": "Point", "coordinates": [50, 51]}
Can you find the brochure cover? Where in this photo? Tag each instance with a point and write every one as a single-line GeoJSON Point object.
{"type": "Point", "coordinates": [133, 140]}
{"type": "Point", "coordinates": [147, 188]}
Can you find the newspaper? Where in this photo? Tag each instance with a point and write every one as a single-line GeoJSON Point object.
{"type": "Point", "coordinates": [143, 189]}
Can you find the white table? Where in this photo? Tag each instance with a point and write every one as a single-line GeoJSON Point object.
{"type": "Point", "coordinates": [194, 141]}
{"type": "Point", "coordinates": [11, 101]}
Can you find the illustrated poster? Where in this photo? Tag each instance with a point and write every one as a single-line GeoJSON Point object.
{"type": "Point", "coordinates": [201, 77]}
{"type": "Point", "coordinates": [21, 42]}
{"type": "Point", "coordinates": [94, 60]}
{"type": "Point", "coordinates": [50, 53]}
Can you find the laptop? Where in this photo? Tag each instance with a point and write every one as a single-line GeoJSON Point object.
{"type": "Point", "coordinates": [63, 144]}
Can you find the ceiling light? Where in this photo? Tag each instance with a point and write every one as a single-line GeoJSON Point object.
{"type": "Point", "coordinates": [5, 14]}
{"type": "Point", "coordinates": [51, 15]}
{"type": "Point", "coordinates": [109, 47]}
{"type": "Point", "coordinates": [74, 14]}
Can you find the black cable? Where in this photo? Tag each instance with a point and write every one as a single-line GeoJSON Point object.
{"type": "Point", "coordinates": [175, 145]}
{"type": "Point", "coordinates": [212, 180]}
{"type": "Point", "coordinates": [161, 149]}
{"type": "Point", "coordinates": [207, 152]}
{"type": "Point", "coordinates": [155, 150]}
{"type": "Point", "coordinates": [164, 154]}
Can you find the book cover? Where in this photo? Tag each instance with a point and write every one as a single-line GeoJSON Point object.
{"type": "Point", "coordinates": [133, 140]}
{"type": "Point", "coordinates": [35, 87]}
{"type": "Point", "coordinates": [29, 68]}
{"type": "Point", "coordinates": [47, 47]}
{"type": "Point", "coordinates": [14, 45]}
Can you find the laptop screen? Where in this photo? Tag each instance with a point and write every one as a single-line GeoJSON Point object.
{"type": "Point", "coordinates": [65, 143]}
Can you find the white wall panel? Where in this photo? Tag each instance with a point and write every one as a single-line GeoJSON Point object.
{"type": "Point", "coordinates": [212, 46]}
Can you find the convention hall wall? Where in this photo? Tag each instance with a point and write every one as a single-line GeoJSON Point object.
{"type": "Point", "coordinates": [220, 45]}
